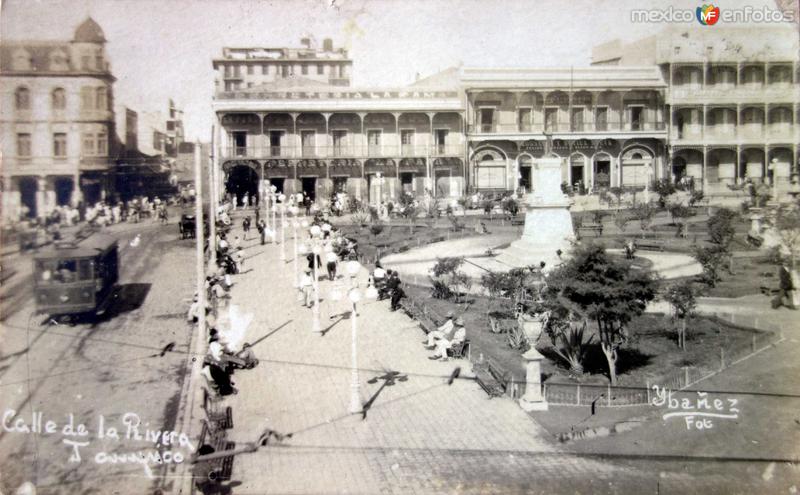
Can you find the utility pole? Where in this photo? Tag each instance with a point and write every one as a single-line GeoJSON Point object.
{"type": "Point", "coordinates": [212, 204]}
{"type": "Point", "coordinates": [199, 241]}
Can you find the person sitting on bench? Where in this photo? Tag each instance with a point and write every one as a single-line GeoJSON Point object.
{"type": "Point", "coordinates": [443, 344]}
{"type": "Point", "coordinates": [443, 332]}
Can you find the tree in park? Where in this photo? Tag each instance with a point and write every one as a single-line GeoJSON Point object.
{"type": "Point", "coordinates": [787, 226]}
{"type": "Point", "coordinates": [680, 216]}
{"type": "Point", "coordinates": [681, 297]}
{"type": "Point", "coordinates": [710, 259]}
{"type": "Point", "coordinates": [608, 291]}
{"type": "Point", "coordinates": [448, 280]}
{"type": "Point", "coordinates": [721, 231]}
{"type": "Point", "coordinates": [644, 213]}
{"type": "Point", "coordinates": [408, 209]}
{"type": "Point", "coordinates": [664, 188]}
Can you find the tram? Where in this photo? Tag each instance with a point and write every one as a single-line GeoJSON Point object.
{"type": "Point", "coordinates": [76, 276]}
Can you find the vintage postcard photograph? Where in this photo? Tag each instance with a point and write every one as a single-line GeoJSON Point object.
{"type": "Point", "coordinates": [389, 247]}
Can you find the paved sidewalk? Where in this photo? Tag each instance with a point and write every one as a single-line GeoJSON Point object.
{"type": "Point", "coordinates": [420, 435]}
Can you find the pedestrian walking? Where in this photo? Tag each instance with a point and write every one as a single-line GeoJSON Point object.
{"type": "Point", "coordinates": [331, 264]}
{"type": "Point", "coordinates": [262, 230]}
{"type": "Point", "coordinates": [246, 226]}
{"type": "Point", "coordinates": [306, 283]}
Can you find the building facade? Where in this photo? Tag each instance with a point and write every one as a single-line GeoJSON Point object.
{"type": "Point", "coordinates": [704, 105]}
{"type": "Point", "coordinates": [319, 135]}
{"type": "Point", "coordinates": [731, 103]}
{"type": "Point", "coordinates": [606, 125]}
{"type": "Point", "coordinates": [57, 120]}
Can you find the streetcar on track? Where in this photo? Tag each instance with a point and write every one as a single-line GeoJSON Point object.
{"type": "Point", "coordinates": [78, 276]}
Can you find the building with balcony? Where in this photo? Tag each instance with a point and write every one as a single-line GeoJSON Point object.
{"type": "Point", "coordinates": [322, 138]}
{"type": "Point", "coordinates": [606, 125]}
{"type": "Point", "coordinates": [731, 102]}
{"type": "Point", "coordinates": [57, 118]}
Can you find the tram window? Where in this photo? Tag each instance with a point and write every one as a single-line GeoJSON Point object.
{"type": "Point", "coordinates": [85, 270]}
{"type": "Point", "coordinates": [46, 269]}
{"type": "Point", "coordinates": [66, 272]}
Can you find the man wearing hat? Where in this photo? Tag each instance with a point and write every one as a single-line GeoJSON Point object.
{"type": "Point", "coordinates": [443, 344]}
{"type": "Point", "coordinates": [443, 332]}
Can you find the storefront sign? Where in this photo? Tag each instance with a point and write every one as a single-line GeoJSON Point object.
{"type": "Point", "coordinates": [532, 146]}
{"type": "Point", "coordinates": [582, 145]}
{"type": "Point", "coordinates": [346, 95]}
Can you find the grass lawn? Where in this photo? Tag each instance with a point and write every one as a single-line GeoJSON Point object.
{"type": "Point", "coordinates": [751, 275]}
{"type": "Point", "coordinates": [650, 354]}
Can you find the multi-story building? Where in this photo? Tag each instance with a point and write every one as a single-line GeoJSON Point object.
{"type": "Point", "coordinates": [605, 124]}
{"type": "Point", "coordinates": [174, 130]}
{"type": "Point", "coordinates": [321, 135]}
{"type": "Point", "coordinates": [732, 100]}
{"type": "Point", "coordinates": [56, 115]}
{"type": "Point", "coordinates": [706, 105]}
{"type": "Point", "coordinates": [147, 152]}
{"type": "Point", "coordinates": [244, 68]}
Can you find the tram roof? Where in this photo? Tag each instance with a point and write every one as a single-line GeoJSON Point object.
{"type": "Point", "coordinates": [81, 248]}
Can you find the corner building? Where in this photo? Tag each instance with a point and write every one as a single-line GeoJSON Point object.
{"type": "Point", "coordinates": [731, 102]}
{"type": "Point", "coordinates": [56, 119]}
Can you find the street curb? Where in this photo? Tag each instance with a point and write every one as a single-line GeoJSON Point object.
{"type": "Point", "coordinates": [191, 400]}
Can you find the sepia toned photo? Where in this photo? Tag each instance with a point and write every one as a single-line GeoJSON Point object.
{"type": "Point", "coordinates": [376, 247]}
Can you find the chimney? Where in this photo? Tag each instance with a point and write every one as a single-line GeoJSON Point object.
{"type": "Point", "coordinates": [327, 45]}
{"type": "Point", "coordinates": [416, 77]}
{"type": "Point", "coordinates": [305, 41]}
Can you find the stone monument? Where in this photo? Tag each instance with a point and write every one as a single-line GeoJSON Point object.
{"type": "Point", "coordinates": [548, 224]}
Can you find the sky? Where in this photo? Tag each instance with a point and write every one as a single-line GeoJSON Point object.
{"type": "Point", "coordinates": [161, 49]}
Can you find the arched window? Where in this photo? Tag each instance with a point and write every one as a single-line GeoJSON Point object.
{"type": "Point", "coordinates": [59, 99]}
{"type": "Point", "coordinates": [22, 98]}
{"type": "Point", "coordinates": [636, 156]}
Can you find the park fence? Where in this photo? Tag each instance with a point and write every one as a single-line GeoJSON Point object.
{"type": "Point", "coordinates": [765, 335]}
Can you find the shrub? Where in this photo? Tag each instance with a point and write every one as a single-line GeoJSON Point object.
{"type": "Point", "coordinates": [440, 290]}
{"type": "Point", "coordinates": [376, 228]}
{"type": "Point", "coordinates": [517, 339]}
{"type": "Point", "coordinates": [569, 344]}
{"type": "Point", "coordinates": [710, 258]}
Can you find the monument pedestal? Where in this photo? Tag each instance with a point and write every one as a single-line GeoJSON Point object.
{"type": "Point", "coordinates": [533, 400]}
{"type": "Point", "coordinates": [548, 224]}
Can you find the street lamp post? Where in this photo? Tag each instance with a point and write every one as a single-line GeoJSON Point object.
{"type": "Point", "coordinates": [353, 267]}
{"type": "Point", "coordinates": [315, 324]}
{"type": "Point", "coordinates": [773, 166]}
{"type": "Point", "coordinates": [282, 199]}
{"type": "Point", "coordinates": [266, 206]}
{"type": "Point", "coordinates": [274, 207]}
{"type": "Point", "coordinates": [379, 181]}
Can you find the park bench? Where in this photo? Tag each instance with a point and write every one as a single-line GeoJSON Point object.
{"type": "Point", "coordinates": [402, 248]}
{"type": "Point", "coordinates": [459, 350]}
{"type": "Point", "coordinates": [491, 379]}
{"type": "Point", "coordinates": [755, 239]}
{"type": "Point", "coordinates": [590, 229]}
{"type": "Point", "coordinates": [517, 222]}
{"type": "Point", "coordinates": [220, 469]}
{"type": "Point", "coordinates": [220, 418]}
{"type": "Point", "coordinates": [650, 245]}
